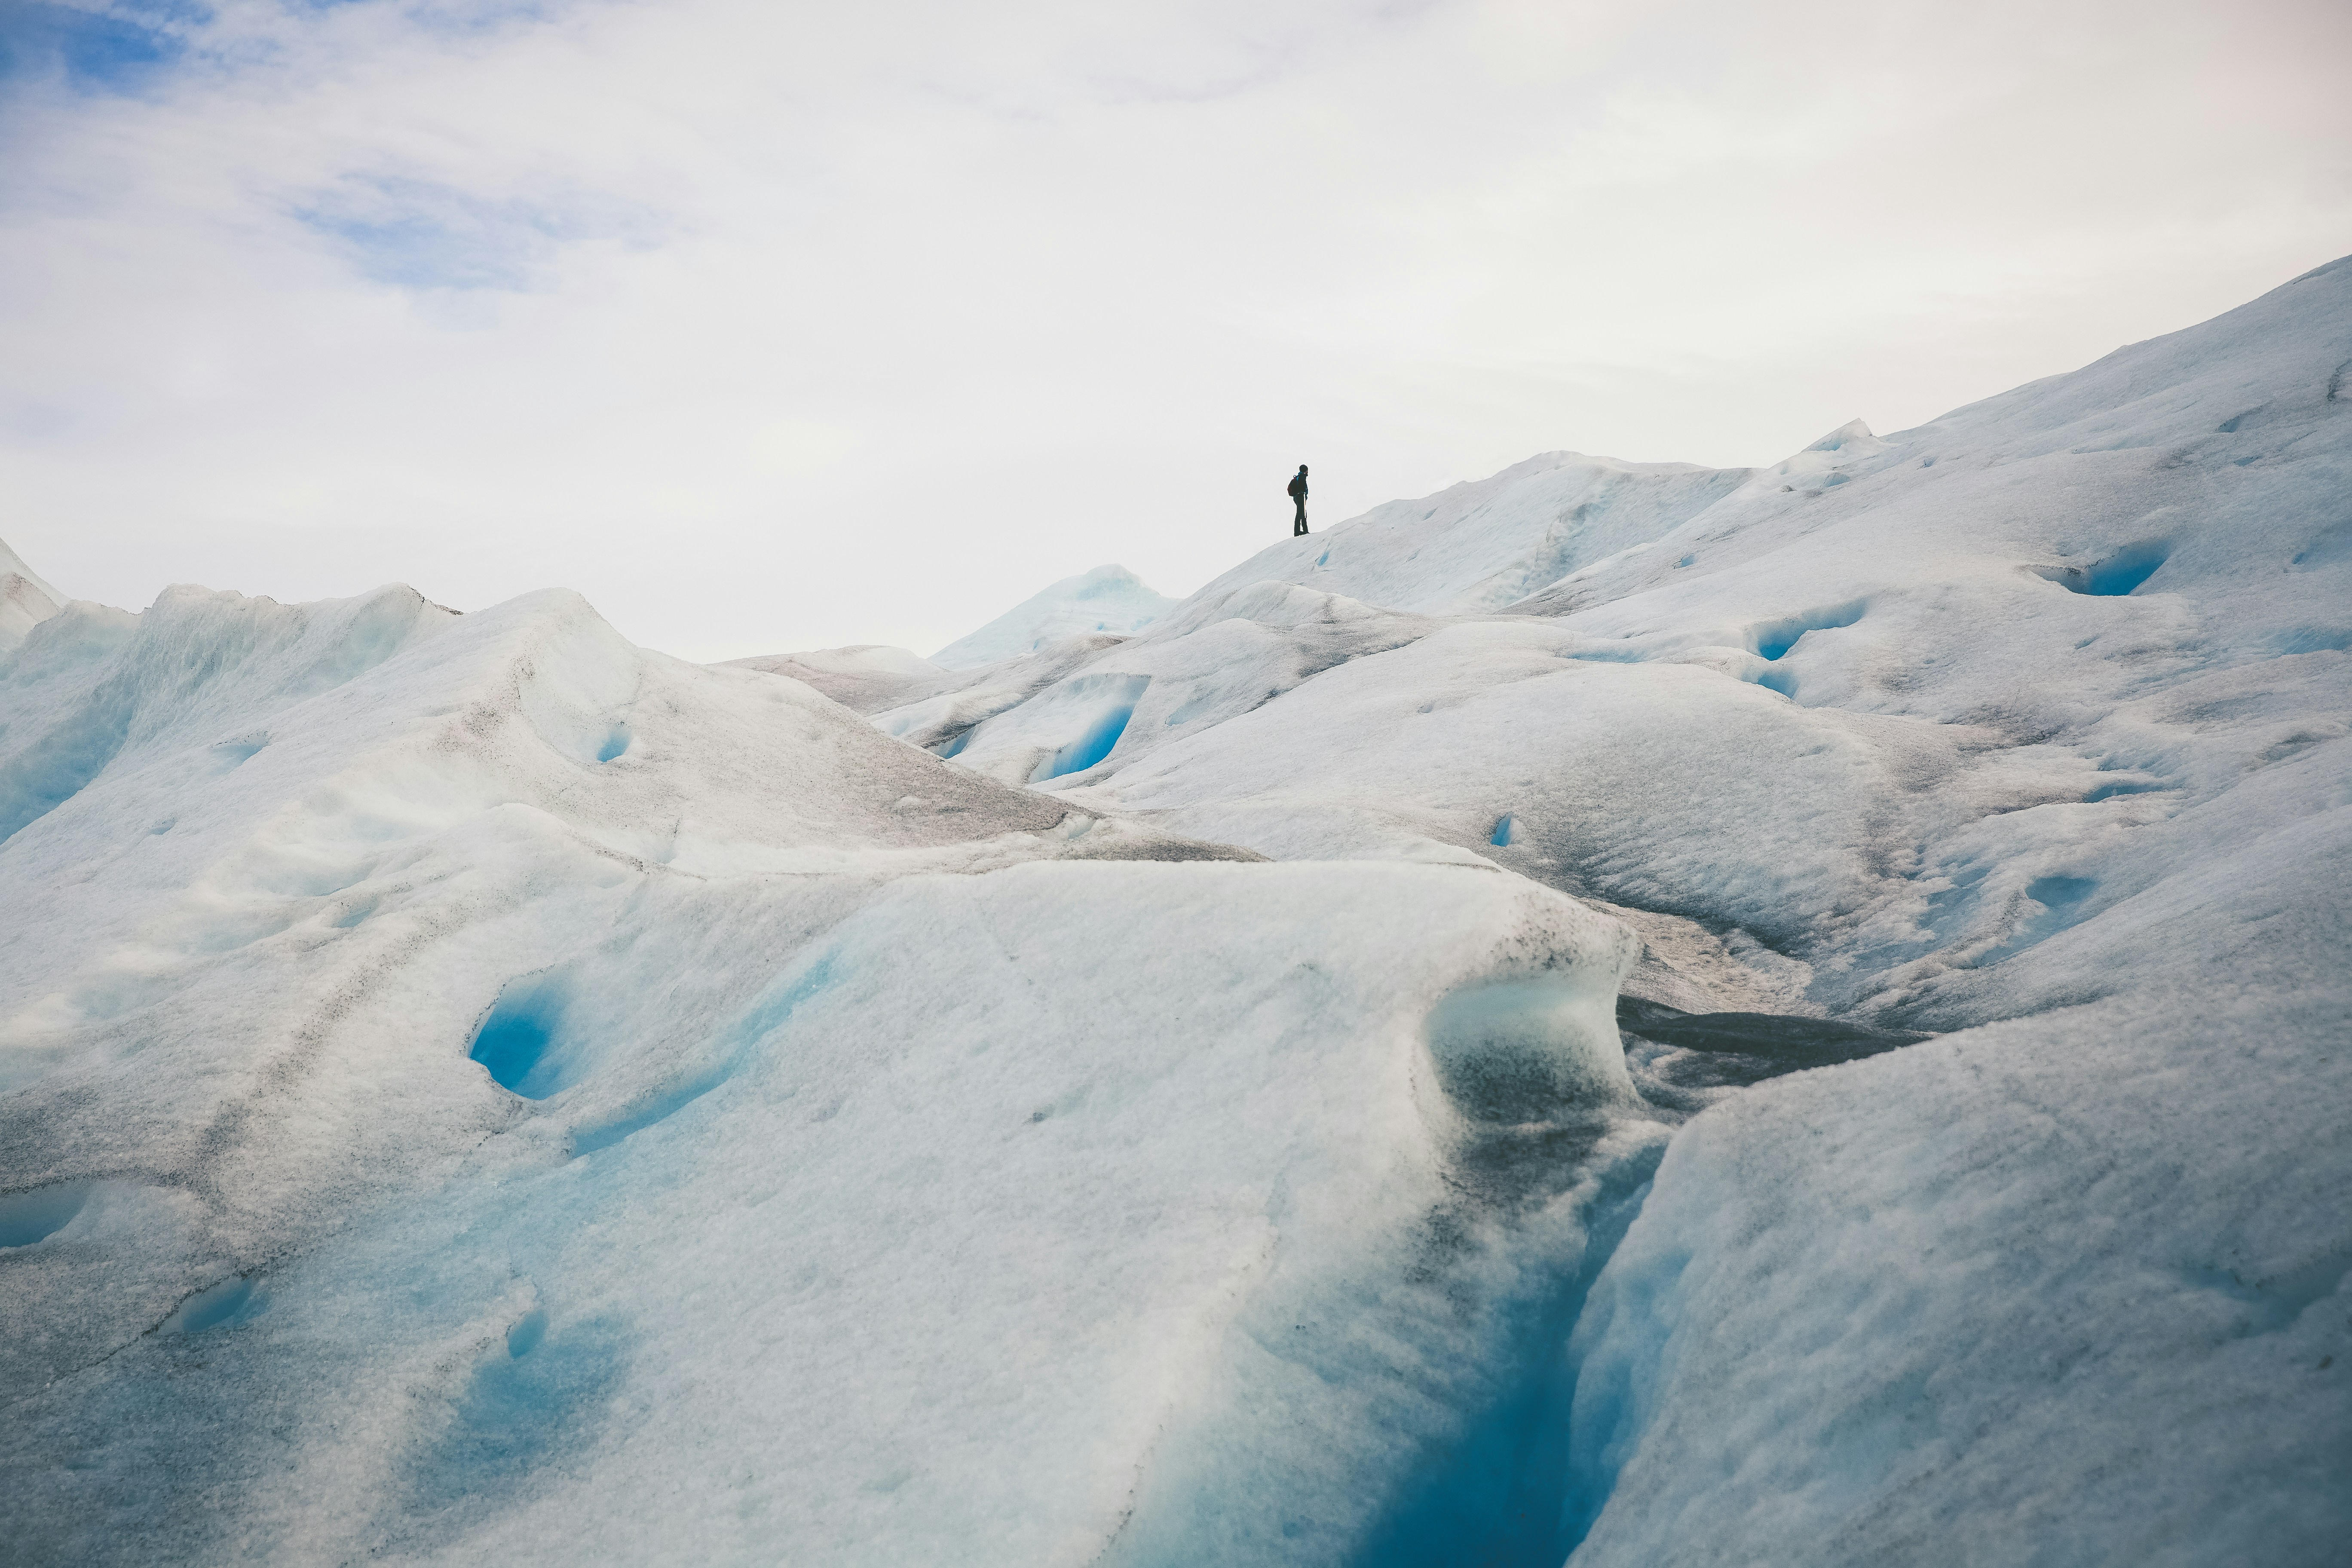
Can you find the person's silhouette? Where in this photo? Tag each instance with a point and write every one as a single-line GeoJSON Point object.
{"type": "Point", "coordinates": [1299, 494]}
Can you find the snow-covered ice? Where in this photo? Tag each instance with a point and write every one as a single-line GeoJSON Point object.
{"type": "Point", "coordinates": [1108, 599]}
{"type": "Point", "coordinates": [1785, 1015]}
{"type": "Point", "coordinates": [24, 599]}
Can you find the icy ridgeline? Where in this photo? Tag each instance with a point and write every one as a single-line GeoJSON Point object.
{"type": "Point", "coordinates": [25, 600]}
{"type": "Point", "coordinates": [2028, 726]}
{"type": "Point", "coordinates": [1106, 599]}
{"type": "Point", "coordinates": [1011, 658]}
{"type": "Point", "coordinates": [868, 1158]}
{"type": "Point", "coordinates": [857, 1160]}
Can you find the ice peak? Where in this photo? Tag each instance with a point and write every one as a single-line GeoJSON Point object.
{"type": "Point", "coordinates": [1109, 599]}
{"type": "Point", "coordinates": [25, 601]}
{"type": "Point", "coordinates": [1852, 433]}
{"type": "Point", "coordinates": [1109, 578]}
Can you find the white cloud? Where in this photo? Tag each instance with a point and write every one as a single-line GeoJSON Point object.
{"type": "Point", "coordinates": [772, 326]}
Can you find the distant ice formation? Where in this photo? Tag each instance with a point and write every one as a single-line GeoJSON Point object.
{"type": "Point", "coordinates": [1106, 599]}
{"type": "Point", "coordinates": [25, 600]}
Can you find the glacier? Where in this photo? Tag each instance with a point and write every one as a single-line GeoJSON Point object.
{"type": "Point", "coordinates": [1617, 1014]}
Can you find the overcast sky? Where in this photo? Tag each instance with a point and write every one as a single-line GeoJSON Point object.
{"type": "Point", "coordinates": [772, 325]}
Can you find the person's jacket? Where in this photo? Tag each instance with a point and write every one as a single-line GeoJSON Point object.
{"type": "Point", "coordinates": [1298, 485]}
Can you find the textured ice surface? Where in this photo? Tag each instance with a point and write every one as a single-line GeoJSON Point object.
{"type": "Point", "coordinates": [869, 677]}
{"type": "Point", "coordinates": [1797, 1017]}
{"type": "Point", "coordinates": [2028, 726]}
{"type": "Point", "coordinates": [1496, 539]}
{"type": "Point", "coordinates": [24, 599]}
{"type": "Point", "coordinates": [1108, 599]}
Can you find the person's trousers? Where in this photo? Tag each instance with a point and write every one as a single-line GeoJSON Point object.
{"type": "Point", "coordinates": [1299, 526]}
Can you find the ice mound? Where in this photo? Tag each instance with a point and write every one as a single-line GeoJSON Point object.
{"type": "Point", "coordinates": [25, 600]}
{"type": "Point", "coordinates": [1223, 656]}
{"type": "Point", "coordinates": [1108, 599]}
{"type": "Point", "coordinates": [868, 677]}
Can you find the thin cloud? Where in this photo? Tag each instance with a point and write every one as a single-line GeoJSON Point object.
{"type": "Point", "coordinates": [423, 235]}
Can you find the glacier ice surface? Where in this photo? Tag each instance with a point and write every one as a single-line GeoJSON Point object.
{"type": "Point", "coordinates": [1108, 599]}
{"type": "Point", "coordinates": [1622, 1012]}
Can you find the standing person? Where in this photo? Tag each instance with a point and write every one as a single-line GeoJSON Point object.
{"type": "Point", "coordinates": [1299, 494]}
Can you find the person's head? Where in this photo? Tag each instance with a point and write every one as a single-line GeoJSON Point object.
{"type": "Point", "coordinates": [1302, 468]}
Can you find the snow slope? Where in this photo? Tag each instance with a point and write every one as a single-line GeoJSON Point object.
{"type": "Point", "coordinates": [1106, 599]}
{"type": "Point", "coordinates": [868, 677]}
{"type": "Point", "coordinates": [929, 706]}
{"type": "Point", "coordinates": [1497, 539]}
{"type": "Point", "coordinates": [2028, 726]}
{"type": "Point", "coordinates": [1649, 1013]}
